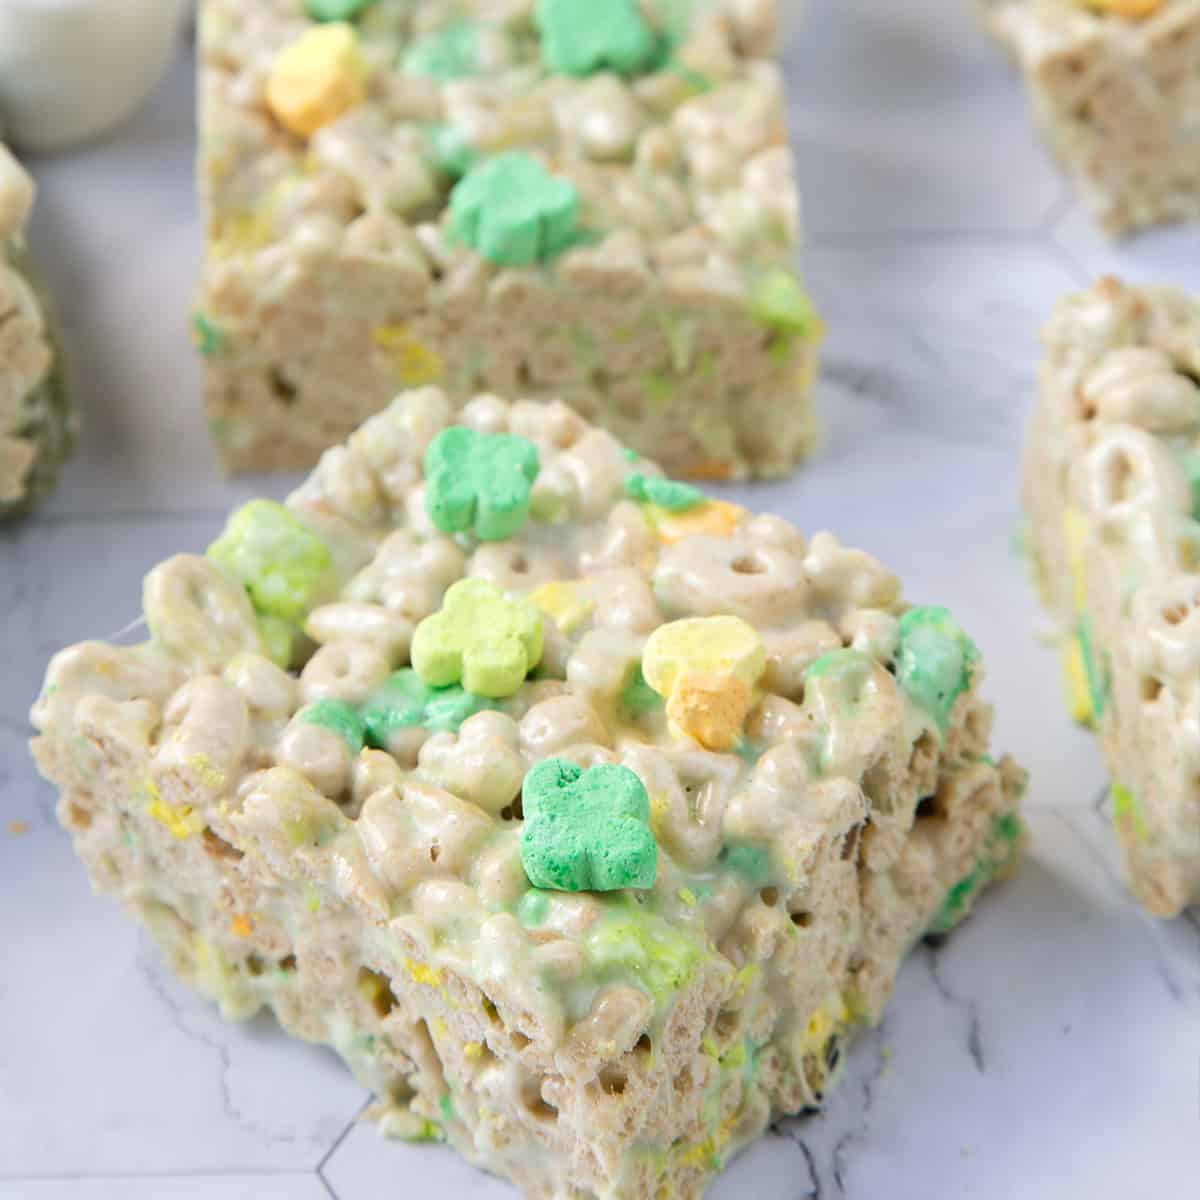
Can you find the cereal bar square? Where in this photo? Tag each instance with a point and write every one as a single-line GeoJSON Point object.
{"type": "Point", "coordinates": [586, 816]}
{"type": "Point", "coordinates": [37, 423]}
{"type": "Point", "coordinates": [564, 199]}
{"type": "Point", "coordinates": [1112, 491]}
{"type": "Point", "coordinates": [1113, 88]}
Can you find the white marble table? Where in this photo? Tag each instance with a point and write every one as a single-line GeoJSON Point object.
{"type": "Point", "coordinates": [1051, 1049]}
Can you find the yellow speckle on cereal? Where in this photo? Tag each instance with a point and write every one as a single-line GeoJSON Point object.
{"type": "Point", "coordinates": [716, 518]}
{"type": "Point", "coordinates": [180, 821]}
{"type": "Point", "coordinates": [208, 775]}
{"type": "Point", "coordinates": [1131, 10]}
{"type": "Point", "coordinates": [241, 926]}
{"type": "Point", "coordinates": [562, 600]}
{"type": "Point", "coordinates": [473, 1050]}
{"type": "Point", "coordinates": [414, 363]}
{"type": "Point", "coordinates": [1079, 696]}
{"type": "Point", "coordinates": [688, 897]}
{"type": "Point", "coordinates": [316, 78]}
{"type": "Point", "coordinates": [423, 973]}
{"type": "Point", "coordinates": [1075, 530]}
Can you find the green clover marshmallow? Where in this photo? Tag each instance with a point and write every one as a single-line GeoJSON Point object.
{"type": "Point", "coordinates": [586, 830]}
{"type": "Point", "coordinates": [581, 37]}
{"type": "Point", "coordinates": [405, 702]}
{"type": "Point", "coordinates": [934, 661]}
{"type": "Point", "coordinates": [482, 638]}
{"type": "Point", "coordinates": [451, 52]}
{"type": "Point", "coordinates": [479, 482]}
{"type": "Point", "coordinates": [338, 717]}
{"type": "Point", "coordinates": [284, 565]}
{"type": "Point", "coordinates": [512, 211]}
{"type": "Point", "coordinates": [670, 494]}
{"type": "Point", "coordinates": [336, 10]}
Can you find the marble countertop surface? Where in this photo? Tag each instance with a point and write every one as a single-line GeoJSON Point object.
{"type": "Point", "coordinates": [1050, 1048]}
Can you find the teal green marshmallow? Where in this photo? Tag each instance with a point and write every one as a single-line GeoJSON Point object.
{"type": "Point", "coordinates": [582, 37]}
{"type": "Point", "coordinates": [513, 212]}
{"type": "Point", "coordinates": [405, 701]}
{"type": "Point", "coordinates": [933, 661]}
{"type": "Point", "coordinates": [448, 53]}
{"type": "Point", "coordinates": [666, 493]}
{"type": "Point", "coordinates": [339, 717]}
{"type": "Point", "coordinates": [336, 10]}
{"type": "Point", "coordinates": [479, 482]}
{"type": "Point", "coordinates": [586, 830]}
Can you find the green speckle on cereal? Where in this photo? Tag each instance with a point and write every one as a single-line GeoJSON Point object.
{"type": "Point", "coordinates": [586, 830]}
{"type": "Point", "coordinates": [533, 908]}
{"type": "Point", "coordinates": [405, 701]}
{"type": "Point", "coordinates": [284, 565]}
{"type": "Point", "coordinates": [630, 943]}
{"type": "Point", "coordinates": [479, 482]}
{"type": "Point", "coordinates": [752, 863]}
{"type": "Point", "coordinates": [1002, 844]}
{"type": "Point", "coordinates": [581, 37]}
{"type": "Point", "coordinates": [208, 336]}
{"type": "Point", "coordinates": [778, 301]}
{"type": "Point", "coordinates": [481, 638]}
{"type": "Point", "coordinates": [669, 494]}
{"type": "Point", "coordinates": [1127, 811]}
{"type": "Point", "coordinates": [513, 212]}
{"type": "Point", "coordinates": [451, 52]}
{"type": "Point", "coordinates": [338, 717]}
{"type": "Point", "coordinates": [637, 696]}
{"type": "Point", "coordinates": [934, 661]}
{"type": "Point", "coordinates": [450, 151]}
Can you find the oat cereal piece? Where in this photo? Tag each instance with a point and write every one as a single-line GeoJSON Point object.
{"type": "Point", "coordinates": [1112, 84]}
{"type": "Point", "coordinates": [37, 423]}
{"type": "Point", "coordinates": [543, 198]}
{"type": "Point", "coordinates": [1112, 493]}
{"type": "Point", "coordinates": [597, 925]}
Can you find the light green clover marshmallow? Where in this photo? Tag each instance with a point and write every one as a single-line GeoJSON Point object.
{"type": "Point", "coordinates": [581, 37]}
{"type": "Point", "coordinates": [479, 482]}
{"type": "Point", "coordinates": [482, 638]}
{"type": "Point", "coordinates": [512, 211]}
{"type": "Point", "coordinates": [284, 565]}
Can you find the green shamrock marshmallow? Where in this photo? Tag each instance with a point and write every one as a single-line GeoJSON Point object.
{"type": "Point", "coordinates": [479, 482]}
{"type": "Point", "coordinates": [406, 702]}
{"type": "Point", "coordinates": [666, 493]}
{"type": "Point", "coordinates": [482, 638]}
{"type": "Point", "coordinates": [336, 10]}
{"type": "Point", "coordinates": [934, 661]}
{"type": "Point", "coordinates": [284, 565]}
{"type": "Point", "coordinates": [451, 52]}
{"type": "Point", "coordinates": [338, 717]}
{"type": "Point", "coordinates": [512, 211]}
{"type": "Point", "coordinates": [581, 37]}
{"type": "Point", "coordinates": [586, 831]}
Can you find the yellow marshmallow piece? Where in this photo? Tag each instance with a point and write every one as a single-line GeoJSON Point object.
{"type": "Point", "coordinates": [706, 668]}
{"type": "Point", "coordinates": [316, 78]}
{"type": "Point", "coordinates": [564, 602]}
{"type": "Point", "coordinates": [717, 518]}
{"type": "Point", "coordinates": [1131, 10]}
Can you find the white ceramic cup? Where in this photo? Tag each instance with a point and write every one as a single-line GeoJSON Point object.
{"type": "Point", "coordinates": [72, 69]}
